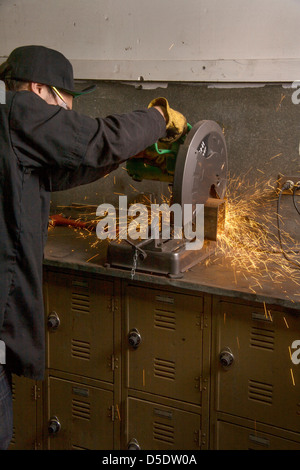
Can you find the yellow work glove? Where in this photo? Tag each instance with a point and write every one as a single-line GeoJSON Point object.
{"type": "Point", "coordinates": [175, 122]}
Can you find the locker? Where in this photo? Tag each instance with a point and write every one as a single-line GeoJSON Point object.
{"type": "Point", "coordinates": [164, 343]}
{"type": "Point", "coordinates": [80, 416]}
{"type": "Point", "coordinates": [234, 437]}
{"type": "Point", "coordinates": [254, 375]}
{"type": "Point", "coordinates": [80, 325]}
{"type": "Point", "coordinates": [27, 414]}
{"type": "Point", "coordinates": [152, 426]}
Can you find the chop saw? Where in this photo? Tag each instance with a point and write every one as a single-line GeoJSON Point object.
{"type": "Point", "coordinates": [196, 168]}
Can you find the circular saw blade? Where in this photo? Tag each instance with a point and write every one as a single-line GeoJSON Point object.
{"type": "Point", "coordinates": [201, 165]}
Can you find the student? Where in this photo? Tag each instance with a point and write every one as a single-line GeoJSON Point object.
{"type": "Point", "coordinates": [45, 146]}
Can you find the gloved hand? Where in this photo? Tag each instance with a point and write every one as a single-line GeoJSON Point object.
{"type": "Point", "coordinates": [175, 122]}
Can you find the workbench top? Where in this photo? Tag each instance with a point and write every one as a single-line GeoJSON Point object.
{"type": "Point", "coordinates": [80, 250]}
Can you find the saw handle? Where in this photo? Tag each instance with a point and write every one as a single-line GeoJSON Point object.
{"type": "Point", "coordinates": [172, 149]}
{"type": "Point", "coordinates": [58, 219]}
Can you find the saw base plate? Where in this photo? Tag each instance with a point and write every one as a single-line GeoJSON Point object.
{"type": "Point", "coordinates": [173, 263]}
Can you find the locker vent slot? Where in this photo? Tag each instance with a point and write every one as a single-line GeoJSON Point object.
{"type": "Point", "coordinates": [164, 369]}
{"type": "Point", "coordinates": [81, 409]}
{"type": "Point", "coordinates": [80, 349]}
{"type": "Point", "coordinates": [262, 338]}
{"type": "Point", "coordinates": [164, 298]}
{"type": "Point", "coordinates": [163, 432]}
{"type": "Point", "coordinates": [260, 392]}
{"type": "Point", "coordinates": [166, 320]}
{"type": "Point", "coordinates": [80, 302]}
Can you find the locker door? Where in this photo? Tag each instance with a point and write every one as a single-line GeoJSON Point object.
{"type": "Point", "coordinates": [80, 416]}
{"type": "Point", "coordinates": [27, 397]}
{"type": "Point", "coordinates": [233, 437]}
{"type": "Point", "coordinates": [259, 380]}
{"type": "Point", "coordinates": [158, 427]}
{"type": "Point", "coordinates": [80, 325]}
{"type": "Point", "coordinates": [168, 359]}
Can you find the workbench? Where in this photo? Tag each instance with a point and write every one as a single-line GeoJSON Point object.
{"type": "Point", "coordinates": [200, 362]}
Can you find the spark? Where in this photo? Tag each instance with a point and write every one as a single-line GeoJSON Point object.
{"type": "Point", "coordinates": [118, 412]}
{"type": "Point", "coordinates": [281, 100]}
{"type": "Point", "coordinates": [286, 323]}
{"type": "Point", "coordinates": [270, 316]}
{"type": "Point", "coordinates": [248, 241]}
{"type": "Point", "coordinates": [265, 310]}
{"type": "Point", "coordinates": [275, 156]}
{"type": "Point", "coordinates": [292, 375]}
{"type": "Point", "coordinates": [97, 254]}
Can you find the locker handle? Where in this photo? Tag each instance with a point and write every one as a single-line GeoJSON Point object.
{"type": "Point", "coordinates": [134, 338]}
{"type": "Point", "coordinates": [54, 425]}
{"type": "Point", "coordinates": [133, 445]}
{"type": "Point", "coordinates": [53, 321]}
{"type": "Point", "coordinates": [226, 358]}
{"type": "Point", "coordinates": [259, 440]}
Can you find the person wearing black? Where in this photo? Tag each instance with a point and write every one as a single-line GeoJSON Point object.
{"type": "Point", "coordinates": [45, 146]}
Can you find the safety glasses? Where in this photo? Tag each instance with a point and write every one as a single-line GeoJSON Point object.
{"type": "Point", "coordinates": [61, 101]}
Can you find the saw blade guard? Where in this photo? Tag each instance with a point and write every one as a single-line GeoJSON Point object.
{"type": "Point", "coordinates": [201, 165]}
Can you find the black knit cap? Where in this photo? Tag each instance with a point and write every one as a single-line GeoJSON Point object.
{"type": "Point", "coordinates": [41, 65]}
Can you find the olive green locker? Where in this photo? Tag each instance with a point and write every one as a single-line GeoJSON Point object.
{"type": "Point", "coordinates": [80, 416]}
{"type": "Point", "coordinates": [163, 343]}
{"type": "Point", "coordinates": [27, 398]}
{"type": "Point", "coordinates": [153, 426]}
{"type": "Point", "coordinates": [234, 437]}
{"type": "Point", "coordinates": [254, 375]}
{"type": "Point", "coordinates": [80, 325]}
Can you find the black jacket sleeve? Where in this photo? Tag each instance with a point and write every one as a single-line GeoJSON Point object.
{"type": "Point", "coordinates": [62, 179]}
{"type": "Point", "coordinates": [47, 136]}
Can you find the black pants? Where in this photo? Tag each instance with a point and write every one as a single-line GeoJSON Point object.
{"type": "Point", "coordinates": [6, 409]}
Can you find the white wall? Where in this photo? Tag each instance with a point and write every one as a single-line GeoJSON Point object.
{"type": "Point", "coordinates": [162, 40]}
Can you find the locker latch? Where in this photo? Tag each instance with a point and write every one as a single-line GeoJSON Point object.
{"type": "Point", "coordinates": [134, 338]}
{"type": "Point", "coordinates": [53, 321]}
{"type": "Point", "coordinates": [133, 445]}
{"type": "Point", "coordinates": [54, 425]}
{"type": "Point", "coordinates": [226, 358]}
